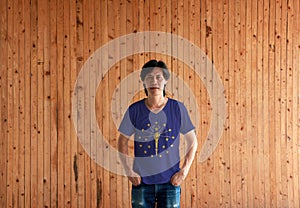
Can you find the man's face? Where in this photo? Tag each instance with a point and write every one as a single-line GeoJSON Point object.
{"type": "Point", "coordinates": [155, 81]}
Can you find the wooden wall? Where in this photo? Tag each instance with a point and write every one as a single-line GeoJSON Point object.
{"type": "Point", "coordinates": [255, 46]}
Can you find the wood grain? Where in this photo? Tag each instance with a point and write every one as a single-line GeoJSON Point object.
{"type": "Point", "coordinates": [254, 46]}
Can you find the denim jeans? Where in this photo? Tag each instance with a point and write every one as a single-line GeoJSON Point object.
{"type": "Point", "coordinates": [165, 195]}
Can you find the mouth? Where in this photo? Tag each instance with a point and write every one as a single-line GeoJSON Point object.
{"type": "Point", "coordinates": [154, 88]}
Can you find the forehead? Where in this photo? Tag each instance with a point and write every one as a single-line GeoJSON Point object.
{"type": "Point", "coordinates": [155, 71]}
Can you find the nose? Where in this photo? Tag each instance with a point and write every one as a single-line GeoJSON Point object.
{"type": "Point", "coordinates": [154, 80]}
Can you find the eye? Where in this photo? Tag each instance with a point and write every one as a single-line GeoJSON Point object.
{"type": "Point", "coordinates": [149, 78]}
{"type": "Point", "coordinates": [159, 77]}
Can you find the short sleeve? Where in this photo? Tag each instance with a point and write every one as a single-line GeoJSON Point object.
{"type": "Point", "coordinates": [126, 127]}
{"type": "Point", "coordinates": [186, 123]}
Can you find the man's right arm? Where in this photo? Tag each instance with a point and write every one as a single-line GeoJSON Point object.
{"type": "Point", "coordinates": [123, 153]}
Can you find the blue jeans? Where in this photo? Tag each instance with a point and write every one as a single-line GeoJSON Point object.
{"type": "Point", "coordinates": [165, 195]}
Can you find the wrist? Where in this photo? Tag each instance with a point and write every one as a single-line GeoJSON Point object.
{"type": "Point", "coordinates": [184, 171]}
{"type": "Point", "coordinates": [128, 172]}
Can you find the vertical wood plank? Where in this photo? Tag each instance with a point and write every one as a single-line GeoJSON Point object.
{"type": "Point", "coordinates": [146, 23]}
{"type": "Point", "coordinates": [271, 110]}
{"type": "Point", "coordinates": [296, 102]}
{"type": "Point", "coordinates": [33, 106]}
{"type": "Point", "coordinates": [99, 187]}
{"type": "Point", "coordinates": [277, 101]}
{"type": "Point", "coordinates": [27, 45]}
{"type": "Point", "coordinates": [122, 15]}
{"type": "Point", "coordinates": [197, 93]}
{"type": "Point", "coordinates": [254, 104]}
{"type": "Point", "coordinates": [105, 105]}
{"type": "Point", "coordinates": [47, 107]}
{"type": "Point", "coordinates": [126, 9]}
{"type": "Point", "coordinates": [203, 200]}
{"type": "Point", "coordinates": [3, 85]}
{"type": "Point", "coordinates": [87, 109]}
{"type": "Point", "coordinates": [174, 10]}
{"type": "Point", "coordinates": [192, 106]}
{"type": "Point", "coordinates": [243, 109]}
{"type": "Point", "coordinates": [231, 98]}
{"type": "Point", "coordinates": [283, 104]}
{"type": "Point", "coordinates": [211, 52]}
{"type": "Point", "coordinates": [86, 123]}
{"type": "Point", "coordinates": [53, 99]}
{"type": "Point", "coordinates": [9, 105]}
{"type": "Point", "coordinates": [183, 95]}
{"type": "Point", "coordinates": [152, 9]}
{"type": "Point", "coordinates": [225, 187]}
{"type": "Point", "coordinates": [126, 67]}
{"type": "Point", "coordinates": [289, 105]}
{"type": "Point", "coordinates": [118, 7]}
{"type": "Point", "coordinates": [260, 88]}
{"type": "Point", "coordinates": [40, 100]}
{"type": "Point", "coordinates": [266, 90]}
{"type": "Point", "coordinates": [237, 165]}
{"type": "Point", "coordinates": [2, 147]}
{"type": "Point", "coordinates": [101, 34]}
{"type": "Point", "coordinates": [79, 158]}
{"type": "Point", "coordinates": [92, 83]}
{"type": "Point", "coordinates": [122, 25]}
{"type": "Point", "coordinates": [248, 68]}
{"type": "Point", "coordinates": [73, 73]}
{"type": "Point", "coordinates": [67, 104]}
{"type": "Point", "coordinates": [141, 28]}
{"type": "Point", "coordinates": [21, 155]}
{"type": "Point", "coordinates": [182, 19]}
{"type": "Point", "coordinates": [218, 63]}
{"type": "Point", "coordinates": [16, 105]}
{"type": "Point", "coordinates": [60, 104]}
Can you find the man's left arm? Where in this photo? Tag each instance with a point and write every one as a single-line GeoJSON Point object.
{"type": "Point", "coordinates": [192, 145]}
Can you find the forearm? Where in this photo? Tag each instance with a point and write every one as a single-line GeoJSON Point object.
{"type": "Point", "coordinates": [123, 153]}
{"type": "Point", "coordinates": [192, 144]}
{"type": "Point", "coordinates": [192, 148]}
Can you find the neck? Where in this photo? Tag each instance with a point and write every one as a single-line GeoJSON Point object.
{"type": "Point", "coordinates": [156, 101]}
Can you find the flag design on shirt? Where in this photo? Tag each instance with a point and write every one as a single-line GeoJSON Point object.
{"type": "Point", "coordinates": [154, 139]}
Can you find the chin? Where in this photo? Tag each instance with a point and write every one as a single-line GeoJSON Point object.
{"type": "Point", "coordinates": [155, 91]}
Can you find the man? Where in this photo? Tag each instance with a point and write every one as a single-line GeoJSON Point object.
{"type": "Point", "coordinates": [156, 123]}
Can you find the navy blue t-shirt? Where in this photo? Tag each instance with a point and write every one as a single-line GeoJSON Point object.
{"type": "Point", "coordinates": [156, 139]}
